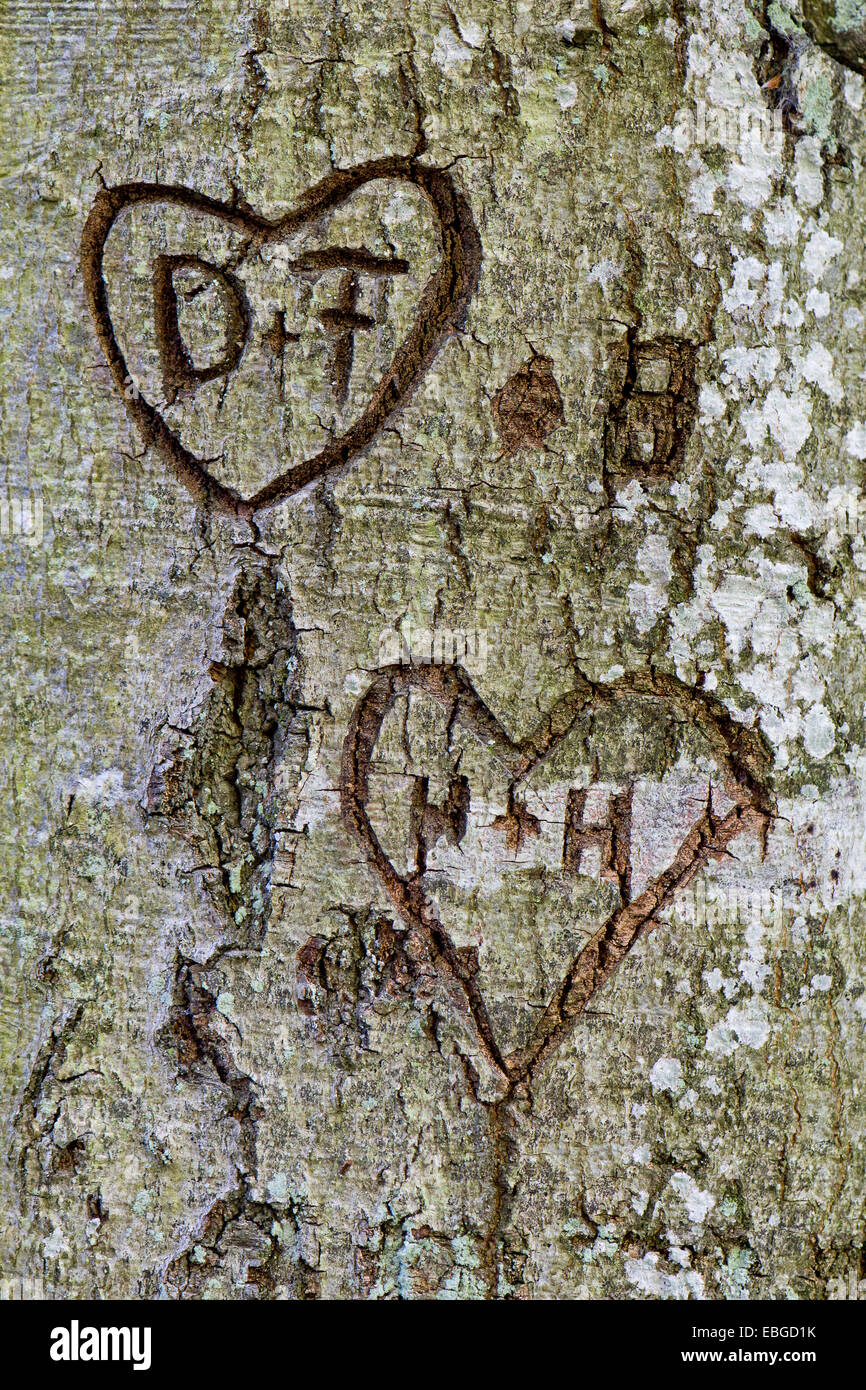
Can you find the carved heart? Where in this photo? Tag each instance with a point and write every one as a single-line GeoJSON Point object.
{"type": "Point", "coordinates": [739, 754]}
{"type": "Point", "coordinates": [441, 307]}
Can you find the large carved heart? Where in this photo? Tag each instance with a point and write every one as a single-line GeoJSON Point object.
{"type": "Point", "coordinates": [739, 755]}
{"type": "Point", "coordinates": [440, 310]}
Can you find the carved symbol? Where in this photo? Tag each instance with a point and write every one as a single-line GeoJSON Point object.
{"type": "Point", "coordinates": [441, 307]}
{"type": "Point", "coordinates": [429, 821]}
{"type": "Point", "coordinates": [277, 340]}
{"type": "Point", "coordinates": [528, 407]}
{"type": "Point", "coordinates": [647, 429]}
{"type": "Point", "coordinates": [179, 372]}
{"type": "Point", "coordinates": [518, 824]}
{"type": "Point", "coordinates": [613, 839]}
{"type": "Point", "coordinates": [738, 752]}
{"type": "Point", "coordinates": [343, 321]}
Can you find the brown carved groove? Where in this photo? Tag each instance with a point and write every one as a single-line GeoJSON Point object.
{"type": "Point", "coordinates": [661, 415]}
{"type": "Point", "coordinates": [178, 370]}
{"type": "Point", "coordinates": [740, 755]}
{"type": "Point", "coordinates": [441, 310]}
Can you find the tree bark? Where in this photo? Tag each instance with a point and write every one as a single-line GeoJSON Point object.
{"type": "Point", "coordinates": [433, 618]}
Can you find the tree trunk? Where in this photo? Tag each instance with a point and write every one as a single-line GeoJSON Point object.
{"type": "Point", "coordinates": [433, 700]}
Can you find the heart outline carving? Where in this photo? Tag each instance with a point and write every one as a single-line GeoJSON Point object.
{"type": "Point", "coordinates": [441, 309]}
{"type": "Point", "coordinates": [740, 754]}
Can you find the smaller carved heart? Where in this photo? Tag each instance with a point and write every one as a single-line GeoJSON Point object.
{"type": "Point", "coordinates": [739, 755]}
